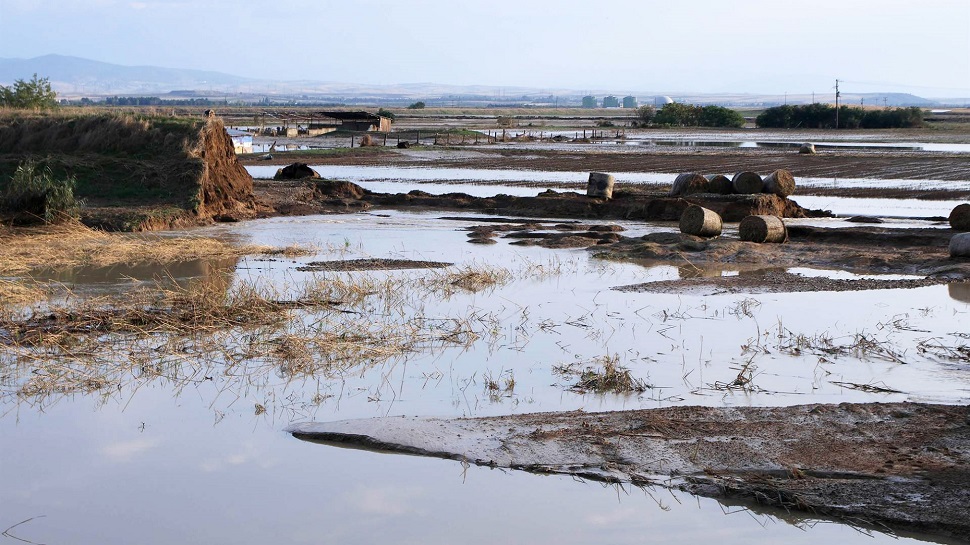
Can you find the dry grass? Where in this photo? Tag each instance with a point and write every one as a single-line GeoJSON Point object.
{"type": "Point", "coordinates": [74, 245]}
{"type": "Point", "coordinates": [605, 375]}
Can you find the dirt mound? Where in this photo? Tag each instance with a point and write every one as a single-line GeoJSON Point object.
{"type": "Point", "coordinates": [337, 189]}
{"type": "Point", "coordinates": [135, 172]}
{"type": "Point", "coordinates": [296, 171]}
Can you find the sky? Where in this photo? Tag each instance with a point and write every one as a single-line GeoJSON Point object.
{"type": "Point", "coordinates": [705, 46]}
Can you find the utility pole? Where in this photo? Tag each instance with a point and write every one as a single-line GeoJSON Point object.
{"type": "Point", "coordinates": [885, 102]}
{"type": "Point", "coordinates": [837, 95]}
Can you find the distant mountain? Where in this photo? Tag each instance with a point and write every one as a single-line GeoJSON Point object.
{"type": "Point", "coordinates": [74, 75]}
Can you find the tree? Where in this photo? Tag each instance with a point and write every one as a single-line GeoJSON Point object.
{"type": "Point", "coordinates": [645, 114]}
{"type": "Point", "coordinates": [386, 113]}
{"type": "Point", "coordinates": [417, 106]}
{"type": "Point", "coordinates": [36, 93]}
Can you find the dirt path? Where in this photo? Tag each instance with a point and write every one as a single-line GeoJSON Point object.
{"type": "Point", "coordinates": [897, 466]}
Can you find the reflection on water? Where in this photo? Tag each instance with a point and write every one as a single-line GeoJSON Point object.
{"type": "Point", "coordinates": [959, 291]}
{"type": "Point", "coordinates": [192, 431]}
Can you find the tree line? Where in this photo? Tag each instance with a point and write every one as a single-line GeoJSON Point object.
{"type": "Point", "coordinates": [822, 116]}
{"type": "Point", "coordinates": [689, 115]}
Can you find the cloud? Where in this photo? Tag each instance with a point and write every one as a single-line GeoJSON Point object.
{"type": "Point", "coordinates": [387, 500]}
{"type": "Point", "coordinates": [125, 450]}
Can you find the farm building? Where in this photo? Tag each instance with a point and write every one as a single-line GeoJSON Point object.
{"type": "Point", "coordinates": [360, 121]}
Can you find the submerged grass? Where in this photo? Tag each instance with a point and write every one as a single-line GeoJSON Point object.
{"type": "Point", "coordinates": [74, 245]}
{"type": "Point", "coordinates": [602, 375]}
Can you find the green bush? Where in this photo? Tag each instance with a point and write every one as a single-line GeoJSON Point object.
{"type": "Point", "coordinates": [691, 115]}
{"type": "Point", "coordinates": [417, 106]}
{"type": "Point", "coordinates": [822, 116]}
{"type": "Point", "coordinates": [386, 113]}
{"type": "Point", "coordinates": [36, 93]}
{"type": "Point", "coordinates": [35, 192]}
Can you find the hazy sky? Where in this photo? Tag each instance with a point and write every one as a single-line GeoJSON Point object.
{"type": "Point", "coordinates": [770, 46]}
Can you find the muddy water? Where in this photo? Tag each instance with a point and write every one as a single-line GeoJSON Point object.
{"type": "Point", "coordinates": [158, 462]}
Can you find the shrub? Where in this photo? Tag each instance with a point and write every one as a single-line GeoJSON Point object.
{"type": "Point", "coordinates": [416, 106]}
{"type": "Point", "coordinates": [36, 93]}
{"type": "Point", "coordinates": [822, 116]}
{"type": "Point", "coordinates": [386, 113]}
{"type": "Point", "coordinates": [34, 191]}
{"type": "Point", "coordinates": [645, 115]}
{"type": "Point", "coordinates": [505, 121]}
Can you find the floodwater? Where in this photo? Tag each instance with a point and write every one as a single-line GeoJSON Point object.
{"type": "Point", "coordinates": [156, 461]}
{"type": "Point", "coordinates": [487, 183]}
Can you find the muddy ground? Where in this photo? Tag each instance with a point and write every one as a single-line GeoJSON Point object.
{"type": "Point", "coordinates": [878, 164]}
{"type": "Point", "coordinates": [893, 466]}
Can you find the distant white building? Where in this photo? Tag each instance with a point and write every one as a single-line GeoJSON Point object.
{"type": "Point", "coordinates": [242, 141]}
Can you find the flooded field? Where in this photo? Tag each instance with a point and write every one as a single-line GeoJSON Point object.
{"type": "Point", "coordinates": [192, 447]}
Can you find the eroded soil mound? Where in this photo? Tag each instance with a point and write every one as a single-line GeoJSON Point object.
{"type": "Point", "coordinates": [135, 172]}
{"type": "Point", "coordinates": [295, 171]}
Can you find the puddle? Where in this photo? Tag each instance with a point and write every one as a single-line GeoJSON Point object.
{"type": "Point", "coordinates": [205, 448]}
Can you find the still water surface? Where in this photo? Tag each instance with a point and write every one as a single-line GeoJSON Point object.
{"type": "Point", "coordinates": [156, 462]}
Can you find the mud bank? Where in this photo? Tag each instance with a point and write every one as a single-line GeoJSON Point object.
{"type": "Point", "coordinates": [863, 250]}
{"type": "Point", "coordinates": [628, 203]}
{"type": "Point", "coordinates": [897, 466]}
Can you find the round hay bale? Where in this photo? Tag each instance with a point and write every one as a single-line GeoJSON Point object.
{"type": "Point", "coordinates": [720, 184]}
{"type": "Point", "coordinates": [747, 183]}
{"type": "Point", "coordinates": [763, 229]}
{"type": "Point", "coordinates": [960, 217]}
{"type": "Point", "coordinates": [600, 185]}
{"type": "Point", "coordinates": [296, 171]}
{"type": "Point", "coordinates": [366, 141]}
{"type": "Point", "coordinates": [700, 221]}
{"type": "Point", "coordinates": [687, 183]}
{"type": "Point", "coordinates": [780, 182]}
{"type": "Point", "coordinates": [960, 245]}
{"type": "Point", "coordinates": [807, 148]}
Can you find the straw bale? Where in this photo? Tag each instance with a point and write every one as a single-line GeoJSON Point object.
{"type": "Point", "coordinates": [687, 183]}
{"type": "Point", "coordinates": [780, 182]}
{"type": "Point", "coordinates": [700, 221]}
{"type": "Point", "coordinates": [960, 217]}
{"type": "Point", "coordinates": [720, 184]}
{"type": "Point", "coordinates": [807, 148]}
{"type": "Point", "coordinates": [600, 185]}
{"type": "Point", "coordinates": [747, 183]}
{"type": "Point", "coordinates": [763, 229]}
{"type": "Point", "coordinates": [960, 245]}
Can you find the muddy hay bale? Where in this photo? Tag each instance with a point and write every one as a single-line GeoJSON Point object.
{"type": "Point", "coordinates": [700, 221]}
{"type": "Point", "coordinates": [959, 291]}
{"type": "Point", "coordinates": [720, 184]}
{"type": "Point", "coordinates": [780, 182]}
{"type": "Point", "coordinates": [747, 183]}
{"type": "Point", "coordinates": [960, 217]}
{"type": "Point", "coordinates": [960, 245]}
{"type": "Point", "coordinates": [687, 183]}
{"type": "Point", "coordinates": [763, 229]}
{"type": "Point", "coordinates": [807, 148]}
{"type": "Point", "coordinates": [600, 185]}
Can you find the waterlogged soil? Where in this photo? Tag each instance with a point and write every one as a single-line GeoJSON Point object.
{"type": "Point", "coordinates": [862, 250]}
{"type": "Point", "coordinates": [344, 265]}
{"type": "Point", "coordinates": [901, 466]}
{"type": "Point", "coordinates": [876, 164]}
{"type": "Point", "coordinates": [775, 281]}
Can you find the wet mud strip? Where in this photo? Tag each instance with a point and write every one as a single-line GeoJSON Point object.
{"type": "Point", "coordinates": [345, 265]}
{"type": "Point", "coordinates": [861, 250]}
{"type": "Point", "coordinates": [879, 164]}
{"type": "Point", "coordinates": [629, 203]}
{"type": "Point", "coordinates": [895, 466]}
